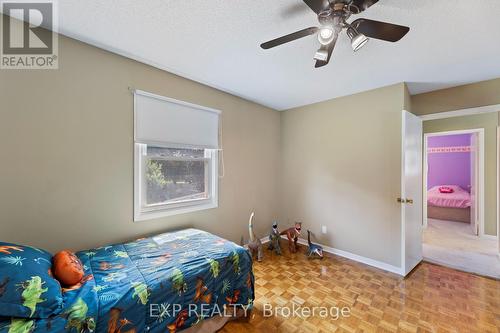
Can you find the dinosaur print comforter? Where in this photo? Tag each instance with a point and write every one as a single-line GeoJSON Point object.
{"type": "Point", "coordinates": [165, 283]}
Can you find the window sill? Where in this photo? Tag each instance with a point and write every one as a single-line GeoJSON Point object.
{"type": "Point", "coordinates": [159, 213]}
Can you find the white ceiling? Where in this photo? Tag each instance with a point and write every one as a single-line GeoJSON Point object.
{"type": "Point", "coordinates": [216, 42]}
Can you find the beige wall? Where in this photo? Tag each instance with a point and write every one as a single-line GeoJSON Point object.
{"type": "Point", "coordinates": [407, 99]}
{"type": "Point", "coordinates": [342, 169]}
{"type": "Point", "coordinates": [462, 97]}
{"type": "Point", "coordinates": [66, 138]}
{"type": "Point", "coordinates": [489, 122]}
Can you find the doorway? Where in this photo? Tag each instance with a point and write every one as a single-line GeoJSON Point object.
{"type": "Point", "coordinates": [453, 205]}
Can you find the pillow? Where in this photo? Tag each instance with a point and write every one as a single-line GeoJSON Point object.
{"type": "Point", "coordinates": [27, 288]}
{"type": "Point", "coordinates": [67, 268]}
{"type": "Point", "coordinates": [446, 189]}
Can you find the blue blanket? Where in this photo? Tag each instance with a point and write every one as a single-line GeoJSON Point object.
{"type": "Point", "coordinates": [164, 283]}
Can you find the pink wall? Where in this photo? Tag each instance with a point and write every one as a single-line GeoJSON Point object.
{"type": "Point", "coordinates": [449, 168]}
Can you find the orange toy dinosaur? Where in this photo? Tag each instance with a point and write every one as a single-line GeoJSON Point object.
{"type": "Point", "coordinates": [293, 234]}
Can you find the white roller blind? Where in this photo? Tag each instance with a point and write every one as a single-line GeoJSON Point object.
{"type": "Point", "coordinates": [164, 120]}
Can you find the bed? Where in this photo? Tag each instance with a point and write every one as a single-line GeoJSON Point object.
{"type": "Point", "coordinates": [449, 206]}
{"type": "Point", "coordinates": [168, 283]}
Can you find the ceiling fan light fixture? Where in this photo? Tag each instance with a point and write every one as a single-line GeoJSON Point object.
{"type": "Point", "coordinates": [358, 40]}
{"type": "Point", "coordinates": [326, 35]}
{"type": "Point", "coordinates": [321, 55]}
{"type": "Point", "coordinates": [333, 17]}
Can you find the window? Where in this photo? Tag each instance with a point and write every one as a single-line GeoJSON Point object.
{"type": "Point", "coordinates": [176, 157]}
{"type": "Point", "coordinates": [176, 180]}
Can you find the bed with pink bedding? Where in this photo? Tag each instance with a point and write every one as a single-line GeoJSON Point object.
{"type": "Point", "coordinates": [453, 206]}
{"type": "Point", "coordinates": [458, 199]}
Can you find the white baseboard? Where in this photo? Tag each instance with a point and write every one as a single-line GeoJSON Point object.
{"type": "Point", "coordinates": [367, 261]}
{"type": "Point", "coordinates": [491, 237]}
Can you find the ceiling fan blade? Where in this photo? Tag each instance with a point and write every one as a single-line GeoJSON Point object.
{"type": "Point", "coordinates": [329, 50]}
{"type": "Point", "coordinates": [364, 4]}
{"type": "Point", "coordinates": [289, 38]}
{"type": "Point", "coordinates": [380, 30]}
{"type": "Point", "coordinates": [318, 5]}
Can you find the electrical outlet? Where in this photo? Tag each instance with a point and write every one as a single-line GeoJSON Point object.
{"type": "Point", "coordinates": [323, 229]}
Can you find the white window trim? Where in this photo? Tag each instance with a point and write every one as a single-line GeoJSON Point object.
{"type": "Point", "coordinates": [182, 207]}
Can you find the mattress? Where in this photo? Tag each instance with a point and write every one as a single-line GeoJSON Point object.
{"type": "Point", "coordinates": [449, 214]}
{"type": "Point", "coordinates": [165, 283]}
{"type": "Point", "coordinates": [458, 199]}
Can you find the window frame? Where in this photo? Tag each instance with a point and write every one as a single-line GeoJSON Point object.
{"type": "Point", "coordinates": [148, 212]}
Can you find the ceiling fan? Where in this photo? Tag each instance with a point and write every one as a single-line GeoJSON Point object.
{"type": "Point", "coordinates": [333, 16]}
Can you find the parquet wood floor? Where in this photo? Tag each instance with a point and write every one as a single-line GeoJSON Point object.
{"type": "Point", "coordinates": [431, 299]}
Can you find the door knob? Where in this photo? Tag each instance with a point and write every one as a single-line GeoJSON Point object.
{"type": "Point", "coordinates": [409, 201]}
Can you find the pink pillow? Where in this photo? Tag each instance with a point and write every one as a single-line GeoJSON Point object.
{"type": "Point", "coordinates": [446, 189]}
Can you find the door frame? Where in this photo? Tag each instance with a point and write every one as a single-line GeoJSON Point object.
{"type": "Point", "coordinates": [480, 190]}
{"type": "Point", "coordinates": [498, 189]}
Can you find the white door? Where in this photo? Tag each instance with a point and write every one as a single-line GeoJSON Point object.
{"type": "Point", "coordinates": [411, 192]}
{"type": "Point", "coordinates": [474, 182]}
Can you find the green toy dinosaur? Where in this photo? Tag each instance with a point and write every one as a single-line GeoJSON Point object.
{"type": "Point", "coordinates": [77, 318]}
{"type": "Point", "coordinates": [178, 282]}
{"type": "Point", "coordinates": [214, 267]}
{"type": "Point", "coordinates": [141, 291]}
{"type": "Point", "coordinates": [32, 290]}
{"type": "Point", "coordinates": [21, 326]}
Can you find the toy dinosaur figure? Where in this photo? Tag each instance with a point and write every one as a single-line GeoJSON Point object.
{"type": "Point", "coordinates": [254, 245]}
{"type": "Point", "coordinates": [214, 267]}
{"type": "Point", "coordinates": [313, 248]}
{"type": "Point", "coordinates": [141, 291]}
{"type": "Point", "coordinates": [19, 325]}
{"type": "Point", "coordinates": [178, 282]}
{"type": "Point", "coordinates": [77, 318]}
{"type": "Point", "coordinates": [274, 239]}
{"type": "Point", "coordinates": [293, 234]}
{"type": "Point", "coordinates": [32, 290]}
